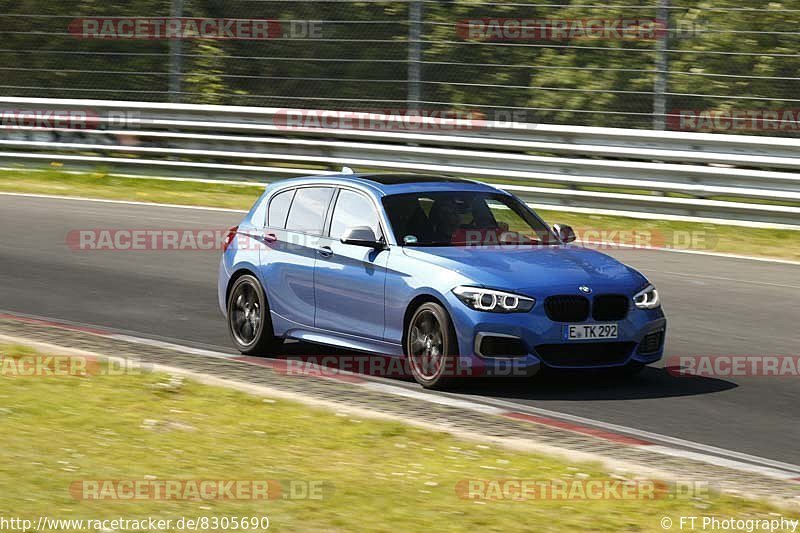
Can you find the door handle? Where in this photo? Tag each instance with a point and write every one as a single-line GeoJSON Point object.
{"type": "Point", "coordinates": [270, 237]}
{"type": "Point", "coordinates": [325, 251]}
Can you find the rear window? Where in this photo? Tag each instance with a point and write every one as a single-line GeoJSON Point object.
{"type": "Point", "coordinates": [307, 213]}
{"type": "Point", "coordinates": [279, 208]}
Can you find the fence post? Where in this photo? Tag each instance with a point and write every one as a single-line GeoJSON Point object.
{"type": "Point", "coordinates": [175, 59]}
{"type": "Point", "coordinates": [661, 67]}
{"type": "Point", "coordinates": [414, 53]}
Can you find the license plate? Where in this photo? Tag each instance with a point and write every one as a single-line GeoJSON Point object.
{"type": "Point", "coordinates": [581, 332]}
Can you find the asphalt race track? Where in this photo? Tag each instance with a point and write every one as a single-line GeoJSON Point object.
{"type": "Point", "coordinates": [716, 306]}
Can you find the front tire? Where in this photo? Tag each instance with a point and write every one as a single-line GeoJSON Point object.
{"type": "Point", "coordinates": [431, 347]}
{"type": "Point", "coordinates": [249, 321]}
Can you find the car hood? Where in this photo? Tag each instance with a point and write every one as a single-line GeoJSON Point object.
{"type": "Point", "coordinates": [536, 270]}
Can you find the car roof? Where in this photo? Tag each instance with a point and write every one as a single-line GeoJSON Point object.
{"type": "Point", "coordinates": [400, 179]}
{"type": "Point", "coordinates": [395, 183]}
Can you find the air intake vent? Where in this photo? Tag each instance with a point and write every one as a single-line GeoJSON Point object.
{"type": "Point", "coordinates": [496, 346]}
{"type": "Point", "coordinates": [651, 343]}
{"type": "Point", "coordinates": [585, 354]}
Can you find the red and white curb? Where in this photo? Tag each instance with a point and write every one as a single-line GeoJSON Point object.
{"type": "Point", "coordinates": [614, 433]}
{"type": "Point", "coordinates": [575, 428]}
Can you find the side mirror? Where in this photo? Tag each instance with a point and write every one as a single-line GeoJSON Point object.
{"type": "Point", "coordinates": [564, 232]}
{"type": "Point", "coordinates": [361, 236]}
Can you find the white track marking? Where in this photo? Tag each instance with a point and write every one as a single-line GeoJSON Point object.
{"type": "Point", "coordinates": [691, 252]}
{"type": "Point", "coordinates": [124, 202]}
{"type": "Point", "coordinates": [243, 183]}
{"type": "Point", "coordinates": [660, 216]}
{"type": "Point", "coordinates": [226, 210]}
{"type": "Point", "coordinates": [733, 280]}
{"type": "Point", "coordinates": [721, 461]}
{"type": "Point", "coordinates": [432, 398]}
{"type": "Point", "coordinates": [642, 434]}
{"type": "Point", "coordinates": [170, 346]}
{"type": "Point", "coordinates": [717, 456]}
{"type": "Point", "coordinates": [546, 207]}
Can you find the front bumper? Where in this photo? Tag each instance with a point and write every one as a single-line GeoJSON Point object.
{"type": "Point", "coordinates": [541, 343]}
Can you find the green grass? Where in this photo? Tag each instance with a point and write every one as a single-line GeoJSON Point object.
{"type": "Point", "coordinates": [377, 475]}
{"type": "Point", "coordinates": [718, 238]}
{"type": "Point", "coordinates": [102, 185]}
{"type": "Point", "coordinates": [783, 244]}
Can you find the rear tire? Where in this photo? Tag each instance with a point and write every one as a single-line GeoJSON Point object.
{"type": "Point", "coordinates": [431, 347]}
{"type": "Point", "coordinates": [249, 321]}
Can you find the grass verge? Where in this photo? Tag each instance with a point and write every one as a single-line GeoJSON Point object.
{"type": "Point", "coordinates": [691, 236]}
{"type": "Point", "coordinates": [782, 244]}
{"type": "Point", "coordinates": [376, 475]}
{"type": "Point", "coordinates": [102, 185]}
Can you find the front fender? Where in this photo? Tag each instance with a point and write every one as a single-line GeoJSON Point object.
{"type": "Point", "coordinates": [407, 279]}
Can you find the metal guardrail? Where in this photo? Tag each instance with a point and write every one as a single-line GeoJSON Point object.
{"type": "Point", "coordinates": [674, 174]}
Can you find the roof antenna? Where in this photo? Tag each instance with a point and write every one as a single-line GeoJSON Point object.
{"type": "Point", "coordinates": [347, 170]}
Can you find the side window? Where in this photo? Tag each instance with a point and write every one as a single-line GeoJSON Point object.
{"type": "Point", "coordinates": [279, 208]}
{"type": "Point", "coordinates": [308, 210]}
{"type": "Point", "coordinates": [353, 209]}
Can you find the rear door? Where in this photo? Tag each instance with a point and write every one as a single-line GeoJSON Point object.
{"type": "Point", "coordinates": [349, 279]}
{"type": "Point", "coordinates": [295, 223]}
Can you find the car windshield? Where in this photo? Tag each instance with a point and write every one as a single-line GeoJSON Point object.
{"type": "Point", "coordinates": [455, 218]}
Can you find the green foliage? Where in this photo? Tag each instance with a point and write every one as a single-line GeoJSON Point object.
{"type": "Point", "coordinates": [723, 55]}
{"type": "Point", "coordinates": [205, 80]}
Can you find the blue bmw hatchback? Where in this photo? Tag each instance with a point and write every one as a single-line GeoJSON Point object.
{"type": "Point", "coordinates": [458, 277]}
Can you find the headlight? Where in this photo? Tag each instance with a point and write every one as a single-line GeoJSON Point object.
{"type": "Point", "coordinates": [647, 298]}
{"type": "Point", "coordinates": [493, 301]}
